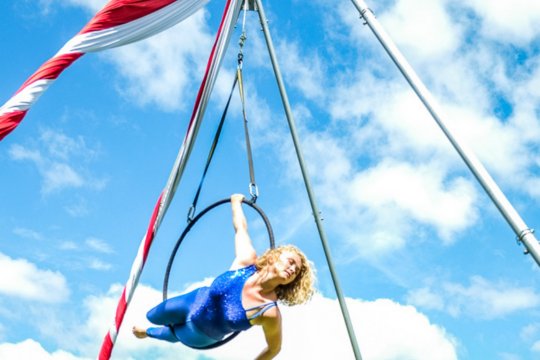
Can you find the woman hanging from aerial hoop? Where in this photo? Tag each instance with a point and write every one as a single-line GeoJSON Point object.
{"type": "Point", "coordinates": [244, 296]}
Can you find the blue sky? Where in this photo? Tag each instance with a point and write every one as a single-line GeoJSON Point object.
{"type": "Point", "coordinates": [429, 267]}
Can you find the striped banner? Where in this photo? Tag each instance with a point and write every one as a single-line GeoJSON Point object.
{"type": "Point", "coordinates": [119, 23]}
{"type": "Point", "coordinates": [228, 21]}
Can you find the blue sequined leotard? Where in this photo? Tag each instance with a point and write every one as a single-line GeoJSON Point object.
{"type": "Point", "coordinates": [214, 311]}
{"type": "Point", "coordinates": [222, 312]}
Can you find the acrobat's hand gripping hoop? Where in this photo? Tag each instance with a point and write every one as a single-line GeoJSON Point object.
{"type": "Point", "coordinates": [191, 223]}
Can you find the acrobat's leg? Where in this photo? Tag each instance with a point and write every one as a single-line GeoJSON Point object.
{"type": "Point", "coordinates": [161, 333]}
{"type": "Point", "coordinates": [174, 310]}
{"type": "Point", "coordinates": [191, 336]}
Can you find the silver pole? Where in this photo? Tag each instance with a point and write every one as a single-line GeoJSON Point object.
{"type": "Point", "coordinates": [311, 195]}
{"type": "Point", "coordinates": [523, 232]}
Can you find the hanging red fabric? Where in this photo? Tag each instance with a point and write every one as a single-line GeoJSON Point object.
{"type": "Point", "coordinates": [123, 11]}
{"type": "Point", "coordinates": [113, 26]}
{"type": "Point", "coordinates": [230, 15]}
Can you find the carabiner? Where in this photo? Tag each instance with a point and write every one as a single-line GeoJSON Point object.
{"type": "Point", "coordinates": [254, 192]}
{"type": "Point", "coordinates": [190, 214]}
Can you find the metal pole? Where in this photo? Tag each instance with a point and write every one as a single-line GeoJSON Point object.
{"type": "Point", "coordinates": [311, 196]}
{"type": "Point", "coordinates": [523, 232]}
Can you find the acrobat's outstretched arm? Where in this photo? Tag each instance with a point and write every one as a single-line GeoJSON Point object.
{"type": "Point", "coordinates": [244, 251]}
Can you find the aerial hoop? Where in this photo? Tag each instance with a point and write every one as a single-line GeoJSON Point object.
{"type": "Point", "coordinates": [191, 223]}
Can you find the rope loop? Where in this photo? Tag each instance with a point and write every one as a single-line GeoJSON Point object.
{"type": "Point", "coordinates": [240, 59]}
{"type": "Point", "coordinates": [243, 38]}
{"type": "Point", "coordinates": [241, 42]}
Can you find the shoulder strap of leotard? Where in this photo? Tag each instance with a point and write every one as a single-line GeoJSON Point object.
{"type": "Point", "coordinates": [262, 308]}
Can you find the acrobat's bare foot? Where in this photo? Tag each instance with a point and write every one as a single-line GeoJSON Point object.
{"type": "Point", "coordinates": [139, 332]}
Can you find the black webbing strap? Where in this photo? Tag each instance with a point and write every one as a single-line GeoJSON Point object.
{"type": "Point", "coordinates": [193, 207]}
{"type": "Point", "coordinates": [253, 190]}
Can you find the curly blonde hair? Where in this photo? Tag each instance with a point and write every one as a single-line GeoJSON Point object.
{"type": "Point", "coordinates": [301, 289]}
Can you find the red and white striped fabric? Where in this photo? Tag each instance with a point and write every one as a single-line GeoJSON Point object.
{"type": "Point", "coordinates": [119, 23]}
{"type": "Point", "coordinates": [228, 21]}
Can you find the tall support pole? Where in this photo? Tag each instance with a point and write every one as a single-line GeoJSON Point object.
{"type": "Point", "coordinates": [316, 213]}
{"type": "Point", "coordinates": [522, 231]}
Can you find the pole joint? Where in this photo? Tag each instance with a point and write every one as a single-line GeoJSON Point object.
{"type": "Point", "coordinates": [521, 236]}
{"type": "Point", "coordinates": [250, 5]}
{"type": "Point", "coordinates": [363, 15]}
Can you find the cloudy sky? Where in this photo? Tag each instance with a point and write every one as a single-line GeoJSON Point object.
{"type": "Point", "coordinates": [429, 267]}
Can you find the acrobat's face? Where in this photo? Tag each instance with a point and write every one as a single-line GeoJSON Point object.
{"type": "Point", "coordinates": [288, 266]}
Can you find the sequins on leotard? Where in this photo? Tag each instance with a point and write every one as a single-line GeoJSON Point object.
{"type": "Point", "coordinates": [222, 312]}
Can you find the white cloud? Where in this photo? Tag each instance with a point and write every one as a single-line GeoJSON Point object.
{"type": "Point", "coordinates": [405, 183]}
{"type": "Point", "coordinates": [385, 330]}
{"type": "Point", "coordinates": [160, 70]}
{"type": "Point", "coordinates": [18, 152]}
{"type": "Point", "coordinates": [68, 245]}
{"type": "Point", "coordinates": [53, 157]}
{"type": "Point", "coordinates": [404, 177]}
{"type": "Point", "coordinates": [101, 311]}
{"type": "Point", "coordinates": [408, 128]}
{"type": "Point", "coordinates": [99, 265]}
{"type": "Point", "coordinates": [529, 332]}
{"type": "Point", "coordinates": [27, 233]}
{"type": "Point", "coordinates": [422, 27]}
{"type": "Point", "coordinates": [30, 349]}
{"type": "Point", "coordinates": [387, 120]}
{"type": "Point", "coordinates": [26, 281]}
{"type": "Point", "coordinates": [420, 192]}
{"type": "Point", "coordinates": [519, 23]}
{"type": "Point", "coordinates": [45, 6]}
{"type": "Point", "coordinates": [401, 332]}
{"type": "Point", "coordinates": [501, 151]}
{"type": "Point", "coordinates": [99, 245]}
{"type": "Point", "coordinates": [78, 208]}
{"type": "Point", "coordinates": [507, 356]}
{"type": "Point", "coordinates": [58, 176]}
{"type": "Point", "coordinates": [464, 84]}
{"type": "Point", "coordinates": [92, 5]}
{"type": "Point", "coordinates": [63, 147]}
{"type": "Point", "coordinates": [303, 71]}
{"type": "Point", "coordinates": [536, 346]}
{"type": "Point", "coordinates": [389, 198]}
{"type": "Point", "coordinates": [426, 299]}
{"type": "Point", "coordinates": [481, 299]}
